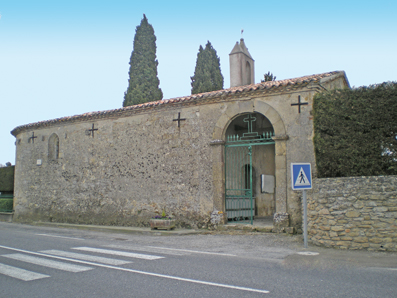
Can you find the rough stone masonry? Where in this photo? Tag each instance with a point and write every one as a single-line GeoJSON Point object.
{"type": "Point", "coordinates": [354, 213]}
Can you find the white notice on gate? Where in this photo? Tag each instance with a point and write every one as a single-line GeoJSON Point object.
{"type": "Point", "coordinates": [267, 184]}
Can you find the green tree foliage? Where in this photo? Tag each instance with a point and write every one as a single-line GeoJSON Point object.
{"type": "Point", "coordinates": [6, 201]}
{"type": "Point", "coordinates": [207, 74]}
{"type": "Point", "coordinates": [268, 77]}
{"type": "Point", "coordinates": [7, 179]}
{"type": "Point", "coordinates": [356, 131]}
{"type": "Point", "coordinates": [143, 82]}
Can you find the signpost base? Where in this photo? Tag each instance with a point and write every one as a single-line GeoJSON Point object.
{"type": "Point", "coordinates": [304, 218]}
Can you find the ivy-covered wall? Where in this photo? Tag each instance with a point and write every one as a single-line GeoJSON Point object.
{"type": "Point", "coordinates": [355, 131]}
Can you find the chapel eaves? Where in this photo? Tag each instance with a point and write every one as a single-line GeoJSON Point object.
{"type": "Point", "coordinates": [268, 88]}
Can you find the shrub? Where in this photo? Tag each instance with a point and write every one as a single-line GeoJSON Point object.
{"type": "Point", "coordinates": [355, 131]}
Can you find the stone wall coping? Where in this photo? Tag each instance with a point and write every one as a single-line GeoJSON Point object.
{"type": "Point", "coordinates": [357, 177]}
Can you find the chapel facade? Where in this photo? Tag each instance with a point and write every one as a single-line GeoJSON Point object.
{"type": "Point", "coordinates": [222, 152]}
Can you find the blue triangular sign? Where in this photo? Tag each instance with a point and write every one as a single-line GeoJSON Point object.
{"type": "Point", "coordinates": [301, 176]}
{"type": "Point", "coordinates": [302, 179]}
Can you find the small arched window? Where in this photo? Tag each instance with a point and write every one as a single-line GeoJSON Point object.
{"type": "Point", "coordinates": [53, 147]}
{"type": "Point", "coordinates": [247, 73]}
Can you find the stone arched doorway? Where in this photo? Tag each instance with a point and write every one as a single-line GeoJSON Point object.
{"type": "Point", "coordinates": [233, 111]}
{"type": "Point", "coordinates": [249, 159]}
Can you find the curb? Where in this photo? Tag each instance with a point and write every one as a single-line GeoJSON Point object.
{"type": "Point", "coordinates": [148, 231]}
{"type": "Point", "coordinates": [119, 229]}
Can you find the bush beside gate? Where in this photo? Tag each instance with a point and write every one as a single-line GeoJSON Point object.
{"type": "Point", "coordinates": [6, 188]}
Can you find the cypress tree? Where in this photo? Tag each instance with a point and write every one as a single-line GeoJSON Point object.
{"type": "Point", "coordinates": [207, 74]}
{"type": "Point", "coordinates": [143, 82]}
{"type": "Point", "coordinates": [268, 77]}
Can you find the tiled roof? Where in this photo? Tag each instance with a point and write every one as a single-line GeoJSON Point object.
{"type": "Point", "coordinates": [270, 86]}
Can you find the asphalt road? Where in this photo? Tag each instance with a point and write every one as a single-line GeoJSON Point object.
{"type": "Point", "coordinates": [58, 262]}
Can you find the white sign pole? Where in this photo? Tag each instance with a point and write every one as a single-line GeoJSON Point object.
{"type": "Point", "coordinates": [304, 218]}
{"type": "Point", "coordinates": [301, 178]}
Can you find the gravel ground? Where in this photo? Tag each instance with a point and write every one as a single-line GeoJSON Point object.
{"type": "Point", "coordinates": [257, 245]}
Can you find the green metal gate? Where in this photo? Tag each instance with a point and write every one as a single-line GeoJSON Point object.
{"type": "Point", "coordinates": [239, 200]}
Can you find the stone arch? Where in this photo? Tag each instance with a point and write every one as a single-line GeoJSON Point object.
{"type": "Point", "coordinates": [53, 147]}
{"type": "Point", "coordinates": [233, 110]}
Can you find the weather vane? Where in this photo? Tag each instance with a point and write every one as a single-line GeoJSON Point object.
{"type": "Point", "coordinates": [242, 31]}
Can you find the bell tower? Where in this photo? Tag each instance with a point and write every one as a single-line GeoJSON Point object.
{"type": "Point", "coordinates": [241, 66]}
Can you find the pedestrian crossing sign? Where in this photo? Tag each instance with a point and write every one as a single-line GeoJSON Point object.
{"type": "Point", "coordinates": [301, 176]}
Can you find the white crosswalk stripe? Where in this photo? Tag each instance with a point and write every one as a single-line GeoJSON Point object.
{"type": "Point", "coordinates": [118, 253]}
{"type": "Point", "coordinates": [148, 249]}
{"type": "Point", "coordinates": [19, 273]}
{"type": "Point", "coordinates": [47, 263]}
{"type": "Point", "coordinates": [43, 258]}
{"type": "Point", "coordinates": [91, 258]}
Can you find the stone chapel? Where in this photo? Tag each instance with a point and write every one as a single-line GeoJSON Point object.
{"type": "Point", "coordinates": [225, 152]}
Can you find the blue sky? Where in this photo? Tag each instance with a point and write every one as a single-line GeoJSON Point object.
{"type": "Point", "coordinates": [62, 58]}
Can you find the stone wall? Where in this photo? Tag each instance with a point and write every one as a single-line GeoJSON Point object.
{"type": "Point", "coordinates": [123, 166]}
{"type": "Point", "coordinates": [130, 170]}
{"type": "Point", "coordinates": [354, 213]}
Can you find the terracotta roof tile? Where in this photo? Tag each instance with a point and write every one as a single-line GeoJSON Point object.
{"type": "Point", "coordinates": [270, 85]}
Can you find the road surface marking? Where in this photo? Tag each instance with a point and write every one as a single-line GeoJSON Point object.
{"type": "Point", "coordinates": [142, 272]}
{"type": "Point", "coordinates": [147, 249]}
{"type": "Point", "coordinates": [382, 268]}
{"type": "Point", "coordinates": [308, 253]}
{"type": "Point", "coordinates": [47, 235]}
{"type": "Point", "coordinates": [78, 256]}
{"type": "Point", "coordinates": [19, 273]}
{"type": "Point", "coordinates": [47, 263]}
{"type": "Point", "coordinates": [118, 253]}
{"type": "Point", "coordinates": [194, 251]}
